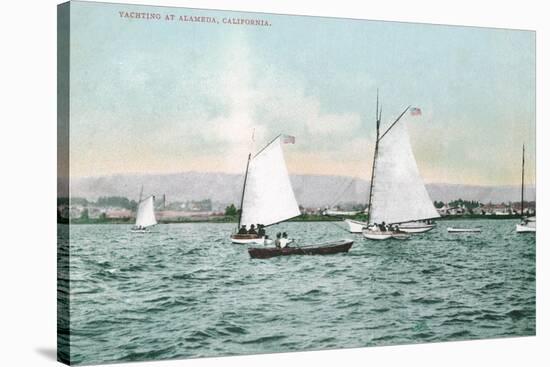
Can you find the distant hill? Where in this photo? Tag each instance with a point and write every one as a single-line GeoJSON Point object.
{"type": "Point", "coordinates": [311, 190]}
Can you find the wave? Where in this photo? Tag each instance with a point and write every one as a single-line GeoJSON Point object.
{"type": "Point", "coordinates": [489, 286]}
{"type": "Point", "coordinates": [406, 281]}
{"type": "Point", "coordinates": [459, 334]}
{"type": "Point", "coordinates": [380, 310]}
{"type": "Point", "coordinates": [384, 338]}
{"type": "Point", "coordinates": [264, 339]}
{"type": "Point", "coordinates": [427, 301]}
{"type": "Point", "coordinates": [311, 295]}
{"type": "Point", "coordinates": [518, 314]}
{"type": "Point", "coordinates": [431, 270]}
{"type": "Point", "coordinates": [150, 354]}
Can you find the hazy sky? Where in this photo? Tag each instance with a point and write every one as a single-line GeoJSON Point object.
{"type": "Point", "coordinates": [155, 96]}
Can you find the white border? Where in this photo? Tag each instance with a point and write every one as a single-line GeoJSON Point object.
{"type": "Point", "coordinates": [28, 184]}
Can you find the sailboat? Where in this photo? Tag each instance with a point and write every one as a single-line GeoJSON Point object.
{"type": "Point", "coordinates": [145, 217]}
{"type": "Point", "coordinates": [398, 199]}
{"type": "Point", "coordinates": [267, 194]}
{"type": "Point", "coordinates": [528, 224]}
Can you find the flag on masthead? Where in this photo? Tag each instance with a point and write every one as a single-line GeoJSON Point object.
{"type": "Point", "coordinates": [288, 139]}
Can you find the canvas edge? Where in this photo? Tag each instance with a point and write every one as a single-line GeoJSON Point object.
{"type": "Point", "coordinates": [63, 189]}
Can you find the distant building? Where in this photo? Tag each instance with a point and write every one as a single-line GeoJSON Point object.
{"type": "Point", "coordinates": [447, 210]}
{"type": "Point", "coordinates": [198, 206]}
{"type": "Point", "coordinates": [95, 212]}
{"type": "Point", "coordinates": [119, 213]}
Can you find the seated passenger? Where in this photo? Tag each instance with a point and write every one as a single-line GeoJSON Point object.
{"type": "Point", "coordinates": [261, 230]}
{"type": "Point", "coordinates": [242, 230]}
{"type": "Point", "coordinates": [278, 240]}
{"type": "Point", "coordinates": [283, 242]}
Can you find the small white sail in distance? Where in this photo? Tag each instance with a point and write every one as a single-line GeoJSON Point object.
{"type": "Point", "coordinates": [146, 213]}
{"type": "Point", "coordinates": [268, 197]}
{"type": "Point", "coordinates": [398, 193]}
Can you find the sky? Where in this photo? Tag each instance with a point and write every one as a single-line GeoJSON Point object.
{"type": "Point", "coordinates": [159, 96]}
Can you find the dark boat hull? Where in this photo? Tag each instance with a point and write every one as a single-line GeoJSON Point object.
{"type": "Point", "coordinates": [326, 249]}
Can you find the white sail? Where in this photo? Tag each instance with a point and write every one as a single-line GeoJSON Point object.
{"type": "Point", "coordinates": [398, 193]}
{"type": "Point", "coordinates": [268, 196]}
{"type": "Point", "coordinates": [146, 213]}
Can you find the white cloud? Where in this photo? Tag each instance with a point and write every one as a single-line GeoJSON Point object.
{"type": "Point", "coordinates": [269, 102]}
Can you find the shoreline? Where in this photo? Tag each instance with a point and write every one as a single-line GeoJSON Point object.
{"type": "Point", "coordinates": [232, 220]}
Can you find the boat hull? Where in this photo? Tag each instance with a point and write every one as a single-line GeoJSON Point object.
{"type": "Point", "coordinates": [326, 249]}
{"type": "Point", "coordinates": [246, 239]}
{"type": "Point", "coordinates": [355, 226]}
{"type": "Point", "coordinates": [142, 231]}
{"type": "Point", "coordinates": [416, 227]}
{"type": "Point", "coordinates": [377, 235]}
{"type": "Point", "coordinates": [520, 228]}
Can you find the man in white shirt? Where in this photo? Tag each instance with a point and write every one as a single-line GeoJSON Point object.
{"type": "Point", "coordinates": [283, 242]}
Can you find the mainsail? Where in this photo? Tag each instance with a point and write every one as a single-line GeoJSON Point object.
{"type": "Point", "coordinates": [146, 213]}
{"type": "Point", "coordinates": [398, 192]}
{"type": "Point", "coordinates": [268, 197]}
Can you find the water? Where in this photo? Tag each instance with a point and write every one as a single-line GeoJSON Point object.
{"type": "Point", "coordinates": [185, 291]}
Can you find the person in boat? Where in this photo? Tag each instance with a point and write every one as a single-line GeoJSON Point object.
{"type": "Point", "coordinates": [284, 241]}
{"type": "Point", "coordinates": [242, 230]}
{"type": "Point", "coordinates": [252, 229]}
{"type": "Point", "coordinates": [261, 230]}
{"type": "Point", "coordinates": [383, 227]}
{"type": "Point", "coordinates": [278, 240]}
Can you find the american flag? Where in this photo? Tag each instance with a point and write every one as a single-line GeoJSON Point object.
{"type": "Point", "coordinates": [415, 111]}
{"type": "Point", "coordinates": [288, 139]}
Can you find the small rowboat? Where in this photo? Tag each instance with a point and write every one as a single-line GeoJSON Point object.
{"type": "Point", "coordinates": [463, 230]}
{"type": "Point", "coordinates": [325, 249]}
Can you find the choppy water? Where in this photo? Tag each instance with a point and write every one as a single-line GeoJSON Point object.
{"type": "Point", "coordinates": [185, 291]}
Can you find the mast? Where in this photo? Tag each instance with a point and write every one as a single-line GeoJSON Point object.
{"type": "Point", "coordinates": [522, 177]}
{"type": "Point", "coordinates": [242, 194]}
{"type": "Point", "coordinates": [140, 194]}
{"type": "Point", "coordinates": [246, 176]}
{"type": "Point", "coordinates": [375, 156]}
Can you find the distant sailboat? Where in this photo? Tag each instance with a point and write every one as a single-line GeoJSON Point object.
{"type": "Point", "coordinates": [528, 224]}
{"type": "Point", "coordinates": [267, 195]}
{"type": "Point", "coordinates": [397, 194]}
{"type": "Point", "coordinates": [145, 217]}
